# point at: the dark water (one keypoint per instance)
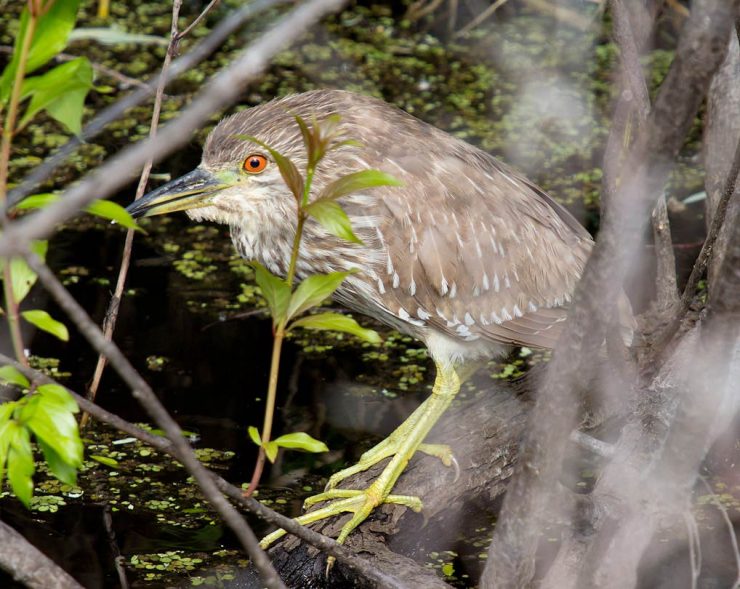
(214, 376)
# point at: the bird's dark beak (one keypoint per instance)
(193, 190)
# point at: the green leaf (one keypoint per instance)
(275, 290)
(50, 37)
(104, 460)
(36, 201)
(301, 441)
(56, 394)
(288, 171)
(271, 450)
(43, 320)
(336, 322)
(357, 182)
(21, 465)
(310, 140)
(7, 432)
(12, 375)
(254, 435)
(22, 278)
(111, 36)
(108, 209)
(61, 92)
(332, 218)
(62, 470)
(55, 426)
(313, 290)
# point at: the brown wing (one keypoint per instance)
(487, 255)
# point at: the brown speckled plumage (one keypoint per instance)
(466, 256)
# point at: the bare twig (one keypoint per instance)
(163, 444)
(701, 49)
(28, 565)
(197, 20)
(487, 13)
(119, 561)
(143, 393)
(111, 315)
(203, 49)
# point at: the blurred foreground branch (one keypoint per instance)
(231, 23)
(532, 497)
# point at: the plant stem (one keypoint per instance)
(11, 311)
(277, 346)
(11, 305)
(15, 99)
(277, 342)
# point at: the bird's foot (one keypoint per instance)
(361, 503)
(387, 448)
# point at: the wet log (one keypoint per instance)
(483, 432)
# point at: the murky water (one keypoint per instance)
(532, 91)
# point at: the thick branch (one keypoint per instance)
(28, 565)
(700, 51)
(721, 135)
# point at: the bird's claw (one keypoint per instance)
(361, 503)
(386, 449)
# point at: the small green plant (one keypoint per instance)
(288, 305)
(44, 413)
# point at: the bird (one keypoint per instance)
(466, 255)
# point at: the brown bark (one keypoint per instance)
(29, 565)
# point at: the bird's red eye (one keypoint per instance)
(255, 163)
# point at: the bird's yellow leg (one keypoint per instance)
(362, 502)
(388, 447)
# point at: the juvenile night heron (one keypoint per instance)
(467, 256)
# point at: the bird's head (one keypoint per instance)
(237, 179)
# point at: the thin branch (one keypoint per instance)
(28, 565)
(635, 95)
(323, 543)
(111, 315)
(197, 20)
(143, 393)
(231, 23)
(692, 531)
(487, 13)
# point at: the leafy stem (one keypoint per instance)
(11, 304)
(279, 336)
(285, 302)
(13, 105)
